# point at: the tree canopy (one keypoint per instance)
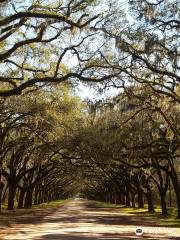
(50, 41)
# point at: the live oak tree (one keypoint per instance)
(148, 46)
(35, 131)
(50, 41)
(129, 150)
(148, 54)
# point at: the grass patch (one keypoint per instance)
(170, 220)
(104, 204)
(50, 204)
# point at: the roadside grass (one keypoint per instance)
(9, 216)
(51, 204)
(168, 221)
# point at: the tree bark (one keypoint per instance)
(163, 203)
(36, 195)
(176, 186)
(1, 190)
(128, 203)
(21, 198)
(11, 195)
(150, 202)
(170, 195)
(140, 198)
(133, 200)
(29, 198)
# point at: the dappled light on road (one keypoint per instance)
(77, 220)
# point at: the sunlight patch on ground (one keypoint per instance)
(75, 221)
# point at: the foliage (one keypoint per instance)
(47, 41)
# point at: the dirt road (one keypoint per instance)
(80, 220)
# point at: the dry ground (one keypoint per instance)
(82, 220)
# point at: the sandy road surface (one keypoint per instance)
(80, 220)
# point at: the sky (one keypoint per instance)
(85, 92)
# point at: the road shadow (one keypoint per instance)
(95, 214)
(71, 217)
(102, 236)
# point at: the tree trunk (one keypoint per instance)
(149, 198)
(150, 202)
(11, 195)
(40, 197)
(50, 197)
(176, 186)
(133, 200)
(170, 194)
(163, 203)
(1, 185)
(1, 190)
(128, 203)
(4, 194)
(123, 200)
(21, 198)
(119, 198)
(140, 198)
(36, 196)
(29, 198)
